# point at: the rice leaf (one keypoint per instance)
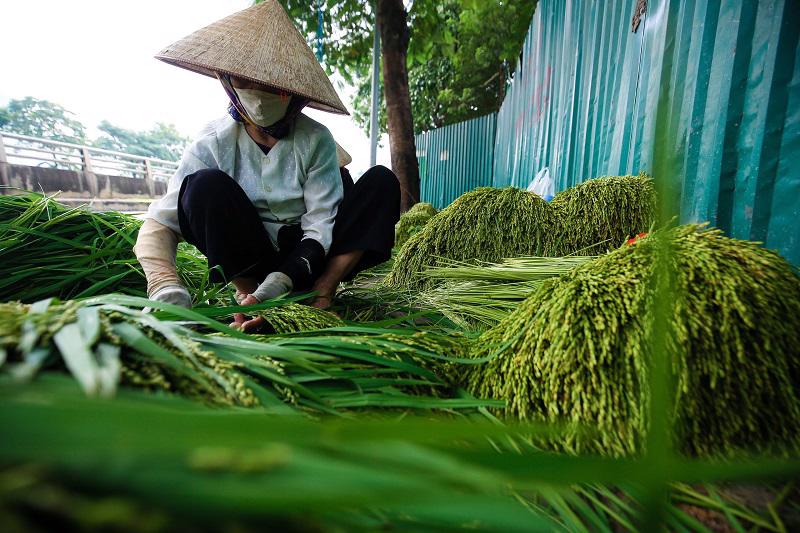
(89, 324)
(78, 357)
(32, 362)
(109, 368)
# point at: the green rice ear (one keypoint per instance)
(107, 341)
(490, 224)
(292, 317)
(412, 221)
(485, 224)
(576, 351)
(600, 214)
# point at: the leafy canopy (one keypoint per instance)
(5, 117)
(42, 118)
(460, 55)
(163, 141)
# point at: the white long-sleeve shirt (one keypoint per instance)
(297, 182)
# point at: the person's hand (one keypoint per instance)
(276, 284)
(173, 294)
(240, 321)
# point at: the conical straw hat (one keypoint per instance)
(342, 156)
(260, 44)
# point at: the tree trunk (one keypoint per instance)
(393, 26)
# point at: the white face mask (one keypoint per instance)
(263, 107)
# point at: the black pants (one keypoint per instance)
(218, 218)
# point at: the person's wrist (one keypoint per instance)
(276, 284)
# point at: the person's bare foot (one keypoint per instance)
(322, 301)
(245, 286)
(336, 270)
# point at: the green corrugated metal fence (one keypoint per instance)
(455, 159)
(584, 98)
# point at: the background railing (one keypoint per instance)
(33, 151)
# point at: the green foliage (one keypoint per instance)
(576, 352)
(155, 463)
(463, 72)
(42, 118)
(347, 33)
(48, 249)
(5, 117)
(460, 56)
(163, 141)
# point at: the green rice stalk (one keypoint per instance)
(50, 250)
(600, 214)
(476, 305)
(88, 340)
(509, 269)
(576, 351)
(103, 344)
(486, 224)
(412, 221)
(358, 300)
(479, 295)
(370, 300)
(89, 464)
(293, 317)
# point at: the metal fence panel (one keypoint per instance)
(455, 159)
(572, 102)
(583, 102)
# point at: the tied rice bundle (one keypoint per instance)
(412, 221)
(490, 224)
(50, 250)
(600, 214)
(486, 224)
(576, 351)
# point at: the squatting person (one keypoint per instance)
(260, 192)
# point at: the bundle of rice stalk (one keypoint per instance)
(105, 341)
(600, 214)
(486, 224)
(476, 305)
(479, 295)
(412, 221)
(577, 350)
(293, 317)
(50, 250)
(523, 268)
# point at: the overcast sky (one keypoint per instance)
(95, 58)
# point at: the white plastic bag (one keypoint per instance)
(543, 185)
